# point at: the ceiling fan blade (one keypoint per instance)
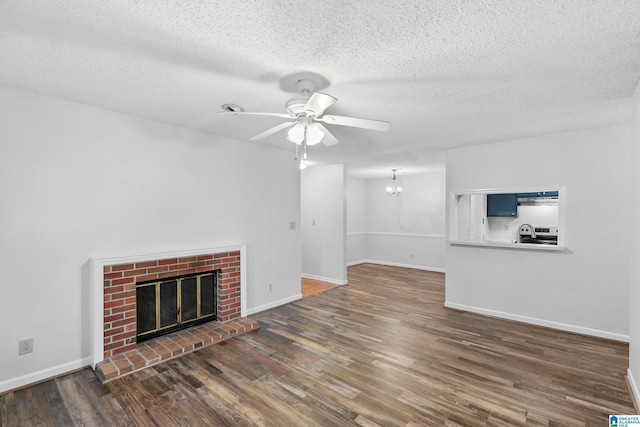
(318, 103)
(328, 139)
(356, 122)
(248, 113)
(273, 130)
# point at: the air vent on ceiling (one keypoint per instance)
(232, 108)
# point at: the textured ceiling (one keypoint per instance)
(445, 74)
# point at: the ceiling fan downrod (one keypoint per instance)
(305, 86)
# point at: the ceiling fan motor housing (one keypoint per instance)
(295, 105)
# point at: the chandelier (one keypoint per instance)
(394, 190)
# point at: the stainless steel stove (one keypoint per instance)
(538, 235)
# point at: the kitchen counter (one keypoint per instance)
(508, 245)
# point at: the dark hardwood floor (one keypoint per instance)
(380, 351)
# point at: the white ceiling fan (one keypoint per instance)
(306, 117)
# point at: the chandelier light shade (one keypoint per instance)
(394, 190)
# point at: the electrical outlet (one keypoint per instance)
(410, 256)
(292, 225)
(270, 287)
(25, 346)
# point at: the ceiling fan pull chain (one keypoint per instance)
(304, 143)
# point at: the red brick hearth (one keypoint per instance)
(122, 355)
(167, 347)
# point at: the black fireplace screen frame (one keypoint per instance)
(174, 303)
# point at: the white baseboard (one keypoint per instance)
(274, 304)
(325, 279)
(635, 392)
(395, 264)
(539, 322)
(44, 374)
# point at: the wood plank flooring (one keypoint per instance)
(379, 351)
(311, 286)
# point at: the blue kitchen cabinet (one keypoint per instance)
(502, 205)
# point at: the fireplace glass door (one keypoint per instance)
(176, 303)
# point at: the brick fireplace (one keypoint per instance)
(115, 351)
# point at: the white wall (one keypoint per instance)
(356, 220)
(406, 230)
(634, 297)
(323, 220)
(77, 182)
(585, 288)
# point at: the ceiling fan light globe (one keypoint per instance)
(296, 133)
(314, 134)
(295, 142)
